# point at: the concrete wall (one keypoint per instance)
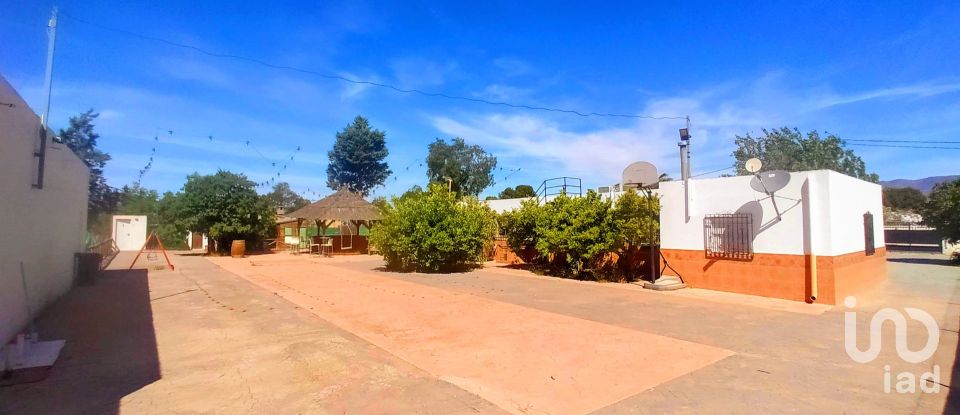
(821, 213)
(849, 199)
(505, 205)
(42, 228)
(821, 217)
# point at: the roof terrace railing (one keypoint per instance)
(557, 186)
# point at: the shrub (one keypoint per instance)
(573, 235)
(576, 232)
(520, 229)
(637, 221)
(942, 210)
(433, 231)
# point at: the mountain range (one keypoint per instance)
(924, 185)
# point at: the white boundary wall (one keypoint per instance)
(42, 228)
(505, 205)
(822, 213)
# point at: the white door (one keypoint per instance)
(123, 234)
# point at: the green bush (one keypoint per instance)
(637, 220)
(942, 210)
(574, 235)
(575, 232)
(433, 231)
(520, 229)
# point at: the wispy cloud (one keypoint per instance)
(923, 90)
(196, 71)
(599, 155)
(512, 66)
(501, 92)
(417, 72)
(718, 113)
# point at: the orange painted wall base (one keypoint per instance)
(781, 276)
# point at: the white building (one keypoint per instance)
(827, 241)
(44, 223)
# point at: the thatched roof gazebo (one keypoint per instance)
(342, 206)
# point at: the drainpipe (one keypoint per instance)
(810, 219)
(813, 278)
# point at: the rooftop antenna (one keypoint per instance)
(41, 154)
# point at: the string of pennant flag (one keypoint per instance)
(278, 167)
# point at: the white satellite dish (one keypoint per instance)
(640, 174)
(770, 181)
(753, 165)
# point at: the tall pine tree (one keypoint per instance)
(357, 158)
(82, 139)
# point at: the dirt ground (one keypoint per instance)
(289, 334)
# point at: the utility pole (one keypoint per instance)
(685, 167)
(41, 154)
(48, 76)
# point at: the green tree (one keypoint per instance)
(523, 190)
(357, 158)
(81, 137)
(286, 199)
(468, 168)
(434, 231)
(786, 149)
(942, 209)
(636, 218)
(520, 229)
(161, 213)
(225, 206)
(904, 198)
(576, 230)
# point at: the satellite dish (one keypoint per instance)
(753, 165)
(770, 181)
(640, 174)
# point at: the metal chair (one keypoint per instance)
(293, 243)
(326, 245)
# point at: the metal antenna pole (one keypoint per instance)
(48, 76)
(688, 148)
(41, 154)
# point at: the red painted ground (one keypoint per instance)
(522, 359)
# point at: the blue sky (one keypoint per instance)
(861, 71)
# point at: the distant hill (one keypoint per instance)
(924, 185)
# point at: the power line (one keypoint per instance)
(711, 172)
(364, 82)
(903, 141)
(902, 146)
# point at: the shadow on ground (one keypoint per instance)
(111, 349)
(925, 261)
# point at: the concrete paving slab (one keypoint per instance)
(200, 340)
(786, 361)
(525, 360)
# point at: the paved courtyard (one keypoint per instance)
(289, 334)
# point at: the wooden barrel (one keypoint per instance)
(238, 248)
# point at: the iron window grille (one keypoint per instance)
(728, 236)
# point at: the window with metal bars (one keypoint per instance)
(728, 236)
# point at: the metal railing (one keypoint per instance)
(728, 236)
(107, 249)
(557, 186)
